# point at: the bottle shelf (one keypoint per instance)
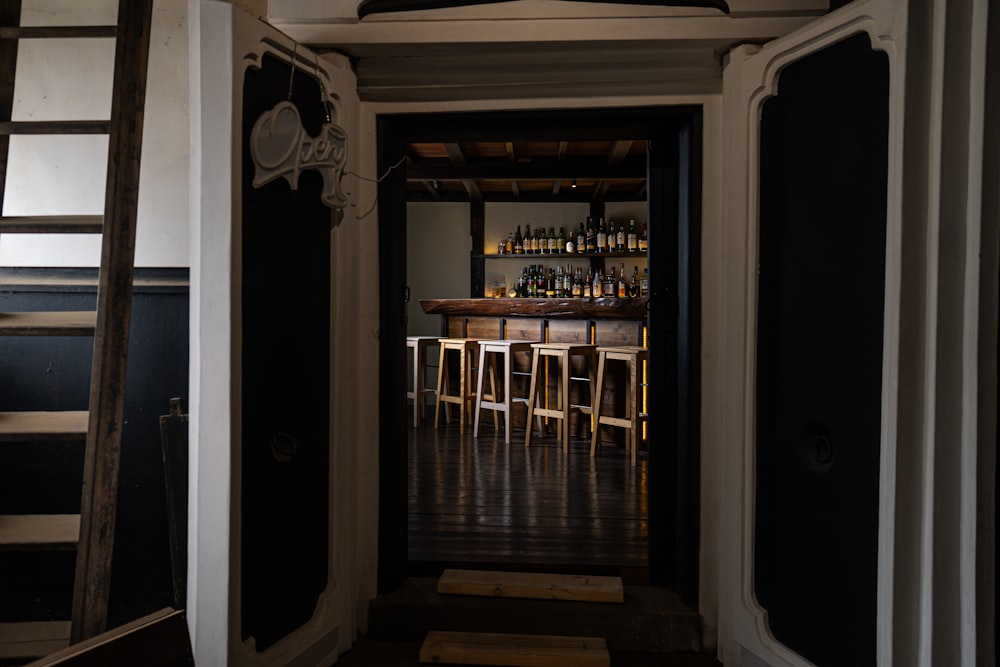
(568, 255)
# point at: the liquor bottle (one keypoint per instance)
(527, 240)
(608, 289)
(561, 244)
(634, 290)
(643, 241)
(620, 237)
(602, 236)
(644, 282)
(568, 281)
(550, 284)
(581, 239)
(632, 242)
(577, 289)
(591, 243)
(518, 242)
(501, 247)
(622, 288)
(509, 245)
(597, 287)
(551, 241)
(587, 288)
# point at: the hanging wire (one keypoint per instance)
(376, 181)
(291, 75)
(322, 91)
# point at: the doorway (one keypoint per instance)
(673, 196)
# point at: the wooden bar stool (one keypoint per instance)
(563, 353)
(467, 348)
(488, 351)
(634, 357)
(420, 392)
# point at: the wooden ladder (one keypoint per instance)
(91, 532)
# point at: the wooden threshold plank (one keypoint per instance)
(513, 650)
(542, 586)
(33, 639)
(55, 127)
(47, 323)
(51, 224)
(70, 425)
(19, 532)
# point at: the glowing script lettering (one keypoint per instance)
(281, 148)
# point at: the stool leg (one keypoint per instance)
(564, 400)
(532, 399)
(508, 382)
(442, 376)
(419, 359)
(479, 390)
(595, 437)
(494, 396)
(464, 371)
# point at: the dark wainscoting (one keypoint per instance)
(53, 373)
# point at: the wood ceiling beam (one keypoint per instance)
(534, 171)
(619, 151)
(542, 196)
(458, 161)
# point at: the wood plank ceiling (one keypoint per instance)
(527, 171)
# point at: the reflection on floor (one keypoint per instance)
(481, 501)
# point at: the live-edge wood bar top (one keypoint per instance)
(598, 309)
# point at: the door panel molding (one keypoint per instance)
(751, 75)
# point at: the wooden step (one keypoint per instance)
(32, 640)
(20, 532)
(494, 648)
(55, 127)
(51, 224)
(60, 323)
(70, 425)
(542, 586)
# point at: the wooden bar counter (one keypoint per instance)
(603, 321)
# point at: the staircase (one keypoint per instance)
(474, 617)
(98, 429)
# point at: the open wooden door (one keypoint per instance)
(282, 558)
(814, 122)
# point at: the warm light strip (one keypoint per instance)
(645, 380)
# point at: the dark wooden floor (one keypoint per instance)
(481, 501)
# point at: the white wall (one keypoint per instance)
(71, 79)
(438, 244)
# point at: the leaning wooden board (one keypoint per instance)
(541, 586)
(513, 650)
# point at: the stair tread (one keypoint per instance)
(58, 31)
(42, 426)
(495, 648)
(55, 127)
(51, 224)
(33, 639)
(51, 531)
(49, 323)
(534, 585)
